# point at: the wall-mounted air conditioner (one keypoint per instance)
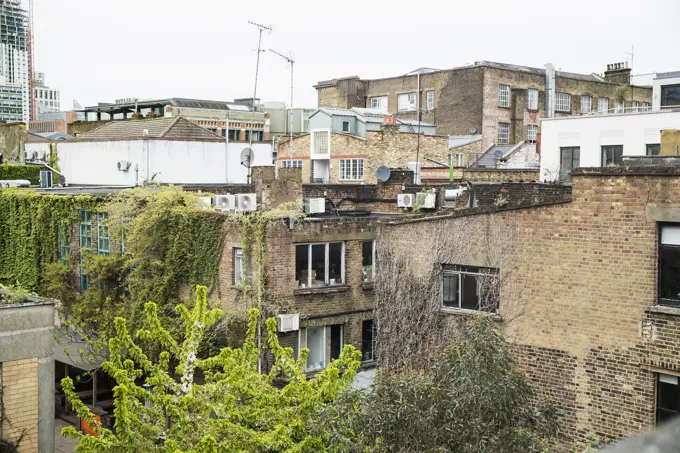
(405, 200)
(288, 323)
(246, 202)
(225, 202)
(426, 200)
(315, 206)
(123, 165)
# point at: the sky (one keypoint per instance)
(102, 50)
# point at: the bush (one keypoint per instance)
(30, 172)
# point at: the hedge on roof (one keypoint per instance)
(30, 172)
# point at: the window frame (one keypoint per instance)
(370, 343)
(295, 163)
(589, 103)
(103, 234)
(654, 146)
(347, 173)
(380, 105)
(504, 95)
(241, 267)
(349, 127)
(64, 245)
(532, 99)
(533, 127)
(409, 95)
(506, 140)
(644, 106)
(429, 100)
(670, 413)
(327, 283)
(313, 142)
(661, 301)
(634, 106)
(664, 90)
(459, 272)
(323, 348)
(372, 265)
(599, 105)
(605, 149)
(562, 108)
(566, 177)
(459, 160)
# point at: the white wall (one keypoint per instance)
(174, 161)
(632, 130)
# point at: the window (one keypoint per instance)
(471, 288)
(429, 95)
(406, 102)
(562, 102)
(368, 261)
(570, 158)
(653, 149)
(122, 242)
(345, 126)
(351, 169)
(612, 154)
(367, 340)
(318, 265)
(586, 104)
(602, 105)
(503, 95)
(667, 398)
(337, 341)
(239, 275)
(618, 107)
(532, 130)
(103, 236)
(460, 160)
(670, 96)
(85, 244)
(379, 103)
(644, 107)
(291, 164)
(316, 343)
(321, 142)
(669, 265)
(64, 244)
(233, 134)
(503, 133)
(256, 136)
(532, 99)
(634, 106)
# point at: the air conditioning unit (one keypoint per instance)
(225, 202)
(287, 323)
(405, 200)
(45, 179)
(315, 206)
(426, 200)
(246, 202)
(124, 165)
(205, 202)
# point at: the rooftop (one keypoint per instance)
(175, 102)
(173, 128)
(667, 75)
(366, 115)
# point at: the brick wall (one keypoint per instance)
(20, 403)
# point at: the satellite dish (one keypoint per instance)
(247, 157)
(62, 180)
(473, 130)
(498, 154)
(382, 173)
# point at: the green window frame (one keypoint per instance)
(64, 245)
(103, 234)
(85, 244)
(122, 242)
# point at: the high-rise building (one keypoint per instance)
(14, 82)
(47, 98)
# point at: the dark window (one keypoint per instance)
(612, 154)
(470, 288)
(670, 96)
(234, 134)
(570, 158)
(367, 269)
(653, 149)
(367, 340)
(257, 136)
(302, 265)
(669, 265)
(336, 341)
(319, 265)
(667, 398)
(345, 126)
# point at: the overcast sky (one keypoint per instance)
(100, 50)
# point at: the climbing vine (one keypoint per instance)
(29, 172)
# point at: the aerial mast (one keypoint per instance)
(290, 112)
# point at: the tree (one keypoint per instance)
(474, 400)
(164, 407)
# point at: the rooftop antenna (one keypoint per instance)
(290, 61)
(630, 82)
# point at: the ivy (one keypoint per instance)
(29, 172)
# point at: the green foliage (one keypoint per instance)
(622, 93)
(475, 400)
(12, 294)
(236, 409)
(53, 158)
(30, 172)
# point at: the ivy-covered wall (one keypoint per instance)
(30, 172)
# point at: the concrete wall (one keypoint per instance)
(27, 369)
(192, 162)
(633, 131)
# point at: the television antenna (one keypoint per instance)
(260, 28)
(290, 61)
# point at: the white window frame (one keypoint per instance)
(326, 263)
(459, 274)
(562, 102)
(532, 99)
(429, 96)
(347, 174)
(240, 270)
(531, 127)
(619, 107)
(411, 100)
(504, 95)
(295, 163)
(313, 140)
(349, 127)
(586, 101)
(460, 159)
(323, 347)
(634, 106)
(379, 103)
(644, 107)
(504, 140)
(602, 105)
(372, 262)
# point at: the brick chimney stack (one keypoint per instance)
(618, 73)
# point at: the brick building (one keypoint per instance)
(503, 102)
(588, 290)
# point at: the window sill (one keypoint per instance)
(504, 107)
(368, 364)
(466, 312)
(665, 309)
(321, 290)
(369, 286)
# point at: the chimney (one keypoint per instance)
(618, 73)
(390, 120)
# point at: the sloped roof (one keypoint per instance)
(456, 141)
(366, 115)
(177, 127)
(488, 159)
